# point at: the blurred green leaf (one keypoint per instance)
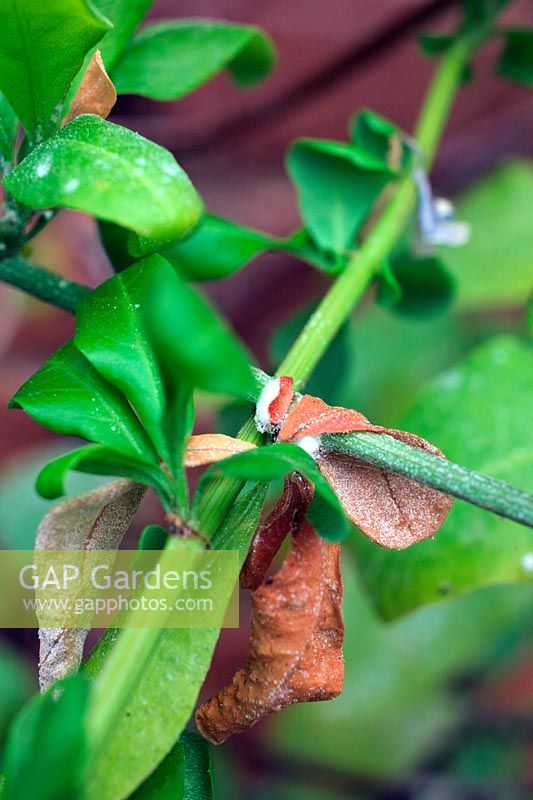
(337, 185)
(416, 285)
(400, 701)
(168, 60)
(435, 44)
(478, 415)
(68, 396)
(375, 135)
(125, 16)
(495, 268)
(479, 13)
(516, 61)
(275, 461)
(42, 47)
(111, 333)
(15, 684)
(389, 291)
(21, 508)
(46, 746)
(111, 172)
(192, 342)
(163, 701)
(8, 132)
(97, 460)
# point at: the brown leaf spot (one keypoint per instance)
(96, 93)
(295, 646)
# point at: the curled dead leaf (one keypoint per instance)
(285, 517)
(96, 93)
(96, 520)
(393, 511)
(295, 646)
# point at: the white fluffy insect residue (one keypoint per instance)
(270, 391)
(311, 445)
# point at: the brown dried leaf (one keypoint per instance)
(295, 646)
(286, 516)
(96, 93)
(207, 448)
(391, 510)
(96, 520)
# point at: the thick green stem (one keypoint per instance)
(42, 284)
(489, 493)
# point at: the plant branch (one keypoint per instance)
(350, 286)
(480, 490)
(41, 283)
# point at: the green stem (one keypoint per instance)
(349, 287)
(41, 283)
(480, 490)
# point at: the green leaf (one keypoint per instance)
(389, 289)
(275, 461)
(495, 268)
(215, 249)
(111, 172)
(68, 396)
(125, 16)
(16, 684)
(8, 132)
(337, 186)
(168, 60)
(163, 701)
(97, 460)
(417, 286)
(42, 47)
(477, 414)
(373, 134)
(192, 342)
(516, 61)
(111, 333)
(185, 774)
(46, 745)
(114, 240)
(435, 44)
(218, 247)
(153, 537)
